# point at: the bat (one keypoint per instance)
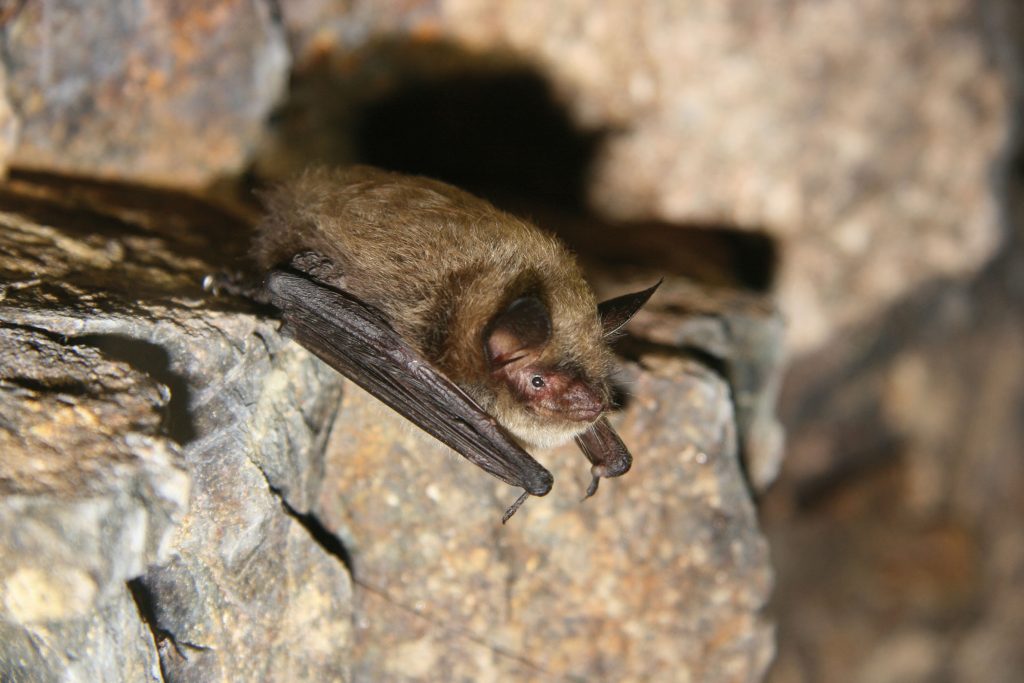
(473, 324)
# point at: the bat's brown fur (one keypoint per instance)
(441, 264)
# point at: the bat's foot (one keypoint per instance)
(515, 506)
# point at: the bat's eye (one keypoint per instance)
(537, 381)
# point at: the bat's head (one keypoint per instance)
(549, 390)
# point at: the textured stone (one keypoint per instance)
(108, 643)
(743, 335)
(111, 348)
(175, 93)
(896, 528)
(10, 126)
(662, 573)
(91, 491)
(90, 494)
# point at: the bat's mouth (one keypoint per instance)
(577, 413)
(587, 414)
(579, 402)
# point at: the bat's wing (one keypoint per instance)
(608, 456)
(356, 340)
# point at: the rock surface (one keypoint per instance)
(233, 556)
(862, 141)
(10, 126)
(896, 526)
(742, 334)
(90, 494)
(150, 91)
(126, 390)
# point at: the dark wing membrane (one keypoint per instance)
(609, 457)
(356, 340)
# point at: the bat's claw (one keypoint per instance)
(236, 283)
(515, 506)
(592, 489)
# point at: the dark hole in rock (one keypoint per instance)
(146, 605)
(491, 133)
(714, 255)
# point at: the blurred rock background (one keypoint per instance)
(855, 163)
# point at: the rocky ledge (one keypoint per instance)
(188, 495)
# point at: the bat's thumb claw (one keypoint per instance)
(515, 506)
(220, 283)
(592, 489)
(236, 283)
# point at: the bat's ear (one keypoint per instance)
(616, 312)
(521, 330)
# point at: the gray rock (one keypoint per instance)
(175, 94)
(9, 125)
(90, 494)
(740, 333)
(108, 643)
(896, 528)
(109, 351)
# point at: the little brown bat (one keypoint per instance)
(474, 324)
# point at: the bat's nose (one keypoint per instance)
(582, 402)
